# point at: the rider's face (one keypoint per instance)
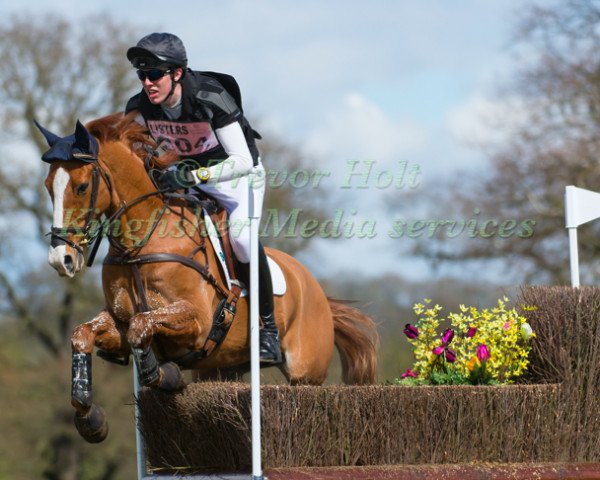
(158, 90)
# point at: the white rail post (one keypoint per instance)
(139, 439)
(573, 256)
(257, 473)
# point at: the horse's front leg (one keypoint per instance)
(176, 321)
(104, 332)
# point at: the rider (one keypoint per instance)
(193, 114)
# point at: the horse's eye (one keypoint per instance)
(81, 189)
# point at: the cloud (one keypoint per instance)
(482, 121)
(366, 154)
(359, 129)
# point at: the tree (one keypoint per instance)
(53, 71)
(513, 211)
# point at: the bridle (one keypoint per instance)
(58, 235)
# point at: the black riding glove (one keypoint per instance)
(176, 177)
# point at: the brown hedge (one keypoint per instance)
(554, 418)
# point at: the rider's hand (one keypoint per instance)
(167, 180)
(176, 177)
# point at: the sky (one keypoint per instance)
(395, 83)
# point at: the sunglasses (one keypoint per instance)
(153, 75)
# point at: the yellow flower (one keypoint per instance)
(471, 364)
(503, 331)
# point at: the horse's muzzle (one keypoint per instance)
(65, 260)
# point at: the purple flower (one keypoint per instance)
(447, 336)
(411, 331)
(483, 353)
(450, 356)
(438, 350)
(471, 332)
(408, 373)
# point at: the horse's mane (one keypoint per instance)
(118, 127)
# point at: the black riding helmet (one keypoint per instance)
(158, 50)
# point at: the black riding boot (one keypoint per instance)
(270, 349)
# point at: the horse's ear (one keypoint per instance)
(82, 137)
(50, 137)
(84, 140)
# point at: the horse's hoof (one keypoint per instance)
(171, 377)
(92, 426)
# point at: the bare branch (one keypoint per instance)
(557, 144)
(24, 314)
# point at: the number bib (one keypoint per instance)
(184, 138)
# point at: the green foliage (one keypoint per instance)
(479, 347)
(38, 439)
(448, 378)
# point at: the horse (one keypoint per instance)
(163, 285)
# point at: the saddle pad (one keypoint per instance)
(279, 285)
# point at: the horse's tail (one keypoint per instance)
(356, 339)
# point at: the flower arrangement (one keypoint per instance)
(478, 347)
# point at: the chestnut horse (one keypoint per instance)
(160, 308)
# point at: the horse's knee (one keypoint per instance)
(140, 331)
(82, 339)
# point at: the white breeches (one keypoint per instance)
(234, 196)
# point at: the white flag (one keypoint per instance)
(581, 206)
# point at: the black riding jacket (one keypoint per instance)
(206, 106)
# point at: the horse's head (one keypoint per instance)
(80, 192)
